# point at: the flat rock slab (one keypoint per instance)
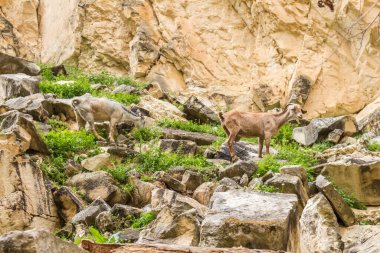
(360, 180)
(198, 138)
(340, 207)
(13, 65)
(243, 150)
(18, 85)
(163, 248)
(251, 219)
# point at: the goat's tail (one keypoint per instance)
(221, 117)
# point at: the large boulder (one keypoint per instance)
(21, 125)
(26, 201)
(320, 128)
(68, 204)
(358, 179)
(341, 208)
(18, 85)
(98, 184)
(251, 219)
(192, 180)
(13, 65)
(36, 241)
(296, 170)
(198, 138)
(361, 239)
(368, 117)
(170, 181)
(159, 109)
(244, 150)
(198, 111)
(178, 221)
(319, 227)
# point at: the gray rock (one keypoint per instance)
(68, 204)
(192, 180)
(244, 180)
(121, 151)
(335, 136)
(128, 235)
(141, 192)
(123, 211)
(98, 184)
(227, 184)
(368, 117)
(105, 222)
(289, 184)
(13, 65)
(97, 162)
(198, 138)
(320, 128)
(361, 239)
(196, 110)
(89, 214)
(35, 241)
(319, 227)
(251, 219)
(21, 125)
(340, 207)
(179, 146)
(244, 150)
(239, 169)
(125, 89)
(177, 172)
(18, 85)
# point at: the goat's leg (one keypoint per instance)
(81, 123)
(267, 144)
(230, 142)
(92, 126)
(113, 131)
(261, 142)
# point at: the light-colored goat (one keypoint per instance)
(92, 109)
(263, 125)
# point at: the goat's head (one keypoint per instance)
(296, 112)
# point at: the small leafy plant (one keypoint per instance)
(145, 134)
(266, 188)
(144, 220)
(350, 200)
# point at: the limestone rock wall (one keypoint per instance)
(240, 53)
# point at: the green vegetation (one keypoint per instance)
(350, 200)
(266, 188)
(79, 83)
(95, 236)
(156, 160)
(266, 164)
(144, 220)
(65, 144)
(374, 147)
(145, 134)
(192, 127)
(366, 222)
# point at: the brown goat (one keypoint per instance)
(264, 125)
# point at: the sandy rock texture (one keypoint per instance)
(243, 53)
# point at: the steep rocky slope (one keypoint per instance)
(249, 54)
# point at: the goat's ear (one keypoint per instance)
(303, 111)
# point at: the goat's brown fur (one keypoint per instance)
(263, 125)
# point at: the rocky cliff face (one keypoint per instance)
(243, 53)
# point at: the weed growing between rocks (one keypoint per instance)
(192, 127)
(144, 220)
(266, 188)
(350, 200)
(374, 147)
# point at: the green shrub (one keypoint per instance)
(108, 79)
(96, 237)
(70, 90)
(144, 220)
(145, 134)
(156, 160)
(123, 98)
(54, 168)
(57, 125)
(350, 200)
(67, 143)
(374, 146)
(192, 126)
(266, 164)
(119, 173)
(266, 188)
(284, 135)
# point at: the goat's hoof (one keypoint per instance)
(234, 159)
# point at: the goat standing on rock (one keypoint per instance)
(264, 125)
(91, 109)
